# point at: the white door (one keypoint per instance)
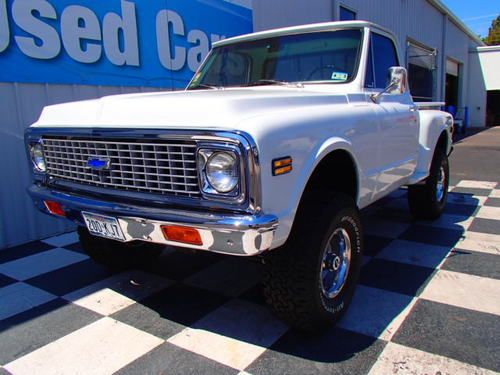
(398, 120)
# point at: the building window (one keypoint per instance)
(384, 55)
(422, 72)
(347, 14)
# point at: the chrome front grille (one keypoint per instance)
(161, 167)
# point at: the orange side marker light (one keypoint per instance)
(282, 166)
(182, 234)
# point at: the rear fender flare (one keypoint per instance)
(432, 125)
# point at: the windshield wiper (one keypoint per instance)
(204, 86)
(264, 82)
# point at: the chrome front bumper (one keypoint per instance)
(235, 234)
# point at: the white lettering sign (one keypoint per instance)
(127, 25)
(80, 30)
(4, 26)
(86, 38)
(164, 20)
(23, 14)
(199, 51)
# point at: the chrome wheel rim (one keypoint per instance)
(335, 263)
(441, 183)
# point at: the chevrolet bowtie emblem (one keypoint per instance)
(99, 164)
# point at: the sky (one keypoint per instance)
(477, 14)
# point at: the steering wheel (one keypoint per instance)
(319, 69)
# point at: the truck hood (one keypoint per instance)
(214, 109)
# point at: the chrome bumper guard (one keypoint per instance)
(234, 234)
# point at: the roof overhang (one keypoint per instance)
(438, 4)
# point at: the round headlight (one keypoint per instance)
(222, 171)
(37, 157)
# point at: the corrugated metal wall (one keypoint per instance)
(270, 14)
(20, 105)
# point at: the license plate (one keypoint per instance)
(103, 226)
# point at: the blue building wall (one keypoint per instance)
(115, 42)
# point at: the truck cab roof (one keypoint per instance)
(315, 27)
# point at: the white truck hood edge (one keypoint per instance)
(214, 109)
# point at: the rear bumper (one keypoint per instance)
(235, 234)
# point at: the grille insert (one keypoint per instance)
(161, 167)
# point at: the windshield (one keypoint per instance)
(326, 57)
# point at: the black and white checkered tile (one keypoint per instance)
(428, 302)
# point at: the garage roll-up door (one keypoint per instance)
(421, 72)
(452, 68)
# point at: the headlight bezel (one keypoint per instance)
(33, 147)
(204, 154)
(214, 176)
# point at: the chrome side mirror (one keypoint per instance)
(398, 83)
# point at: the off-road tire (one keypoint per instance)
(117, 255)
(292, 285)
(423, 198)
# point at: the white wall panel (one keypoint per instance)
(490, 63)
(477, 90)
(20, 105)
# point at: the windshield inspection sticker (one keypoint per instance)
(339, 76)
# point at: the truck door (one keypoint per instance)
(398, 119)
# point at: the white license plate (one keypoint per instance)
(103, 226)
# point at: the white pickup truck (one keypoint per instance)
(276, 144)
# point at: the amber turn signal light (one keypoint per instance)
(282, 166)
(55, 208)
(182, 234)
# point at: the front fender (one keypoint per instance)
(307, 135)
(327, 147)
(296, 185)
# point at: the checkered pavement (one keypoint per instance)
(428, 302)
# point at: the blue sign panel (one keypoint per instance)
(113, 42)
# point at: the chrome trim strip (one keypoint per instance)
(235, 234)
